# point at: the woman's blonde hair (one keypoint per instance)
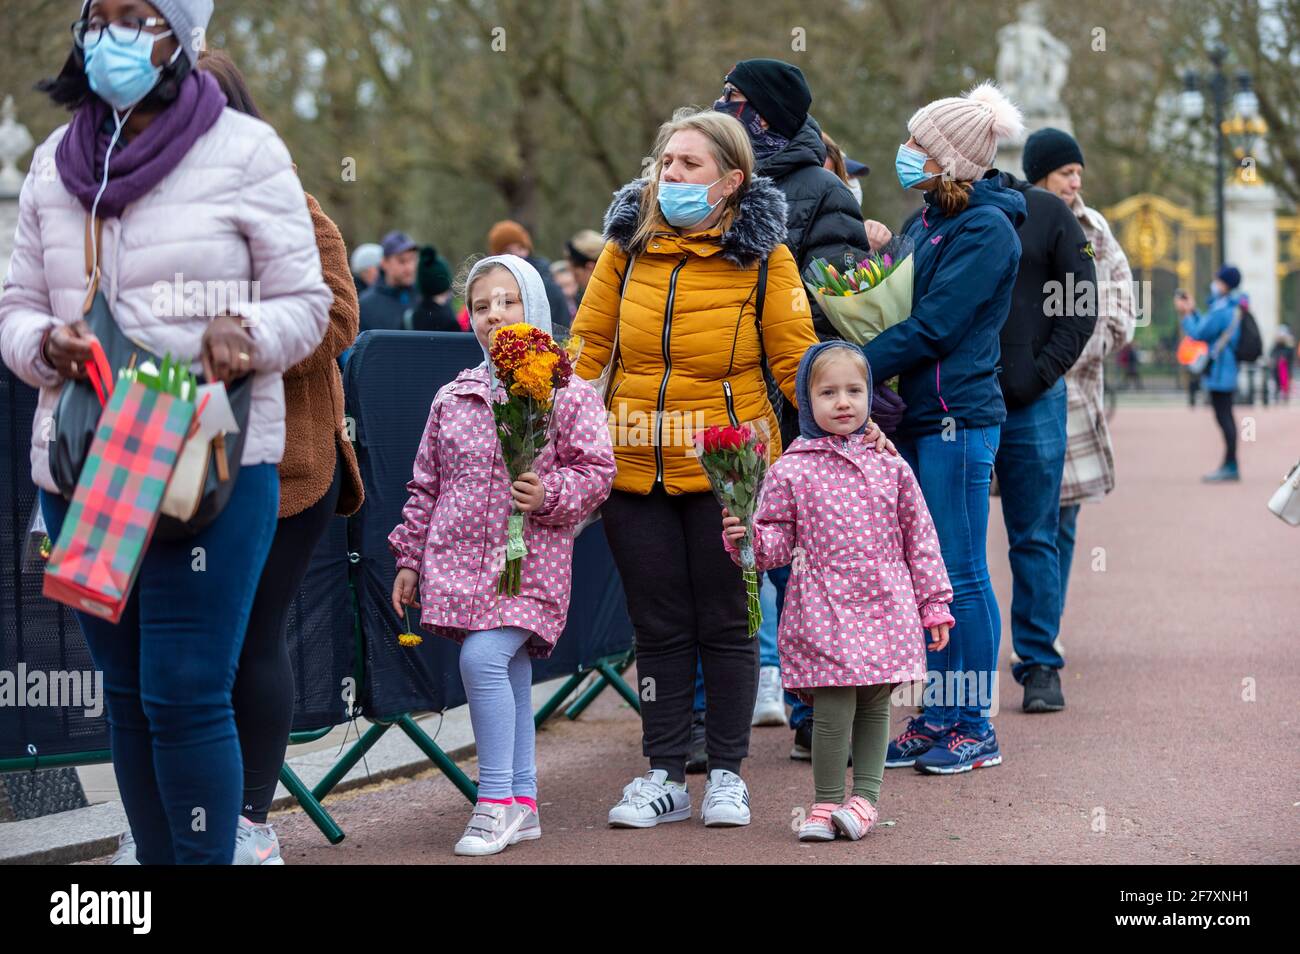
(728, 145)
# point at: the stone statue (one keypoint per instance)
(15, 140)
(1032, 64)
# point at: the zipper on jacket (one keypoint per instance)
(731, 407)
(668, 369)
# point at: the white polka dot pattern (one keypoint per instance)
(453, 531)
(864, 556)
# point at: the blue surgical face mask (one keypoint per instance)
(910, 166)
(686, 204)
(122, 74)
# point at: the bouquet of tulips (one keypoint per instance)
(531, 366)
(863, 298)
(735, 460)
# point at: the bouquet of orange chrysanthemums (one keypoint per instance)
(531, 367)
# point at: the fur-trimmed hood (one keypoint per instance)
(759, 226)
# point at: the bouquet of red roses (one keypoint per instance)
(531, 367)
(735, 460)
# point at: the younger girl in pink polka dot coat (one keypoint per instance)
(866, 580)
(450, 546)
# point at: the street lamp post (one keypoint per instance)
(1193, 105)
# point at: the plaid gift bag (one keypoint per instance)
(117, 501)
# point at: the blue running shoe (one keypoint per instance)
(960, 751)
(915, 740)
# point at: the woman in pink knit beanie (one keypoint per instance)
(946, 353)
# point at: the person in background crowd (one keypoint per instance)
(1282, 358)
(433, 310)
(1054, 161)
(1220, 328)
(567, 282)
(582, 252)
(838, 163)
(153, 152)
(384, 306)
(510, 238)
(1040, 342)
(365, 265)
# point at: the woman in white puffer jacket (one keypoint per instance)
(201, 206)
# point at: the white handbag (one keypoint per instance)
(602, 382)
(1285, 501)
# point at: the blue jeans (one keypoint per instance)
(800, 711)
(1065, 546)
(954, 474)
(766, 637)
(1030, 460)
(169, 666)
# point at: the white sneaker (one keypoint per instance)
(769, 707)
(490, 828)
(530, 829)
(726, 800)
(649, 800)
(256, 844)
(125, 850)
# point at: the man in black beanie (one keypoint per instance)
(1049, 149)
(1052, 315)
(771, 98)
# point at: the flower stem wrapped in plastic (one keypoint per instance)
(531, 367)
(735, 460)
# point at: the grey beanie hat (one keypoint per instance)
(189, 21)
(184, 17)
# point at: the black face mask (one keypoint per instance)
(744, 111)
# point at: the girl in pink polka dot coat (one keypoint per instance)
(450, 546)
(866, 580)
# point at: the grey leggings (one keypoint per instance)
(498, 678)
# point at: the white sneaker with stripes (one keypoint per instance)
(726, 800)
(649, 800)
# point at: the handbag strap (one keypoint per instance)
(614, 355)
(1224, 338)
(94, 245)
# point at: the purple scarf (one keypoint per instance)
(147, 159)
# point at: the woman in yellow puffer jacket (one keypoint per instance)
(679, 279)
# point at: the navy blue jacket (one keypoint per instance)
(947, 351)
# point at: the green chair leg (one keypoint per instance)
(610, 675)
(314, 809)
(550, 705)
(350, 758)
(438, 757)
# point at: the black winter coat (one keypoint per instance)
(823, 219)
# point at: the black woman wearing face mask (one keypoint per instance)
(188, 191)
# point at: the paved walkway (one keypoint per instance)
(1196, 608)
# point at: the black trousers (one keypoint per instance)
(687, 602)
(263, 692)
(1221, 401)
